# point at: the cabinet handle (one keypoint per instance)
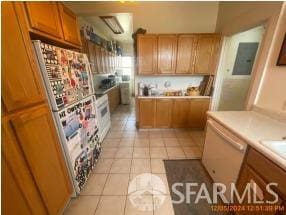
(232, 142)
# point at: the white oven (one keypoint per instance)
(103, 114)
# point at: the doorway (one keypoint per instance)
(235, 72)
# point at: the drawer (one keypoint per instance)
(262, 165)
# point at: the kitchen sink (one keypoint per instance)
(276, 146)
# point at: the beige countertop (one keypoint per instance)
(104, 91)
(253, 127)
(172, 97)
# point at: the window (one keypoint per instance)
(126, 65)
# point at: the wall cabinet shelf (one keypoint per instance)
(52, 21)
(177, 54)
(101, 61)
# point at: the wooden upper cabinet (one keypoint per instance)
(206, 53)
(91, 56)
(167, 52)
(44, 17)
(197, 112)
(186, 53)
(21, 83)
(146, 113)
(70, 26)
(98, 60)
(163, 115)
(180, 113)
(147, 54)
(38, 139)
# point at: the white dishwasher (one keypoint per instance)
(223, 154)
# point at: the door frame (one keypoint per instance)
(259, 66)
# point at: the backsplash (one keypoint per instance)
(177, 83)
(97, 78)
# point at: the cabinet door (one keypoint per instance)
(167, 52)
(20, 192)
(163, 116)
(206, 54)
(249, 175)
(98, 60)
(180, 113)
(198, 112)
(146, 113)
(44, 17)
(21, 84)
(70, 26)
(147, 54)
(186, 54)
(38, 139)
(91, 56)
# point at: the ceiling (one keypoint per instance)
(155, 17)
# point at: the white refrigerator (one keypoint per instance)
(67, 79)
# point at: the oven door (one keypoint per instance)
(104, 114)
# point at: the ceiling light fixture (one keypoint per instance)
(113, 24)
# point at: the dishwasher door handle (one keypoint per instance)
(234, 143)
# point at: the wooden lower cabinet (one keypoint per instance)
(163, 114)
(259, 170)
(146, 113)
(39, 147)
(180, 113)
(113, 98)
(19, 194)
(171, 113)
(197, 114)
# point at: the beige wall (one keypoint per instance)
(157, 17)
(273, 89)
(234, 17)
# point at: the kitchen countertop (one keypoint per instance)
(172, 97)
(104, 91)
(253, 127)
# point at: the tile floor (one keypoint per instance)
(126, 153)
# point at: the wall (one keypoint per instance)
(235, 17)
(272, 93)
(157, 17)
(234, 88)
(83, 22)
(177, 82)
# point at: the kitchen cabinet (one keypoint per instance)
(69, 25)
(92, 56)
(197, 114)
(186, 53)
(44, 156)
(167, 52)
(98, 60)
(44, 17)
(171, 112)
(20, 193)
(180, 113)
(206, 54)
(146, 113)
(259, 170)
(177, 54)
(50, 21)
(113, 98)
(21, 83)
(147, 54)
(35, 176)
(163, 113)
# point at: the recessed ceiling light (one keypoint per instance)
(113, 23)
